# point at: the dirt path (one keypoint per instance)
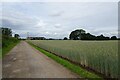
(23, 61)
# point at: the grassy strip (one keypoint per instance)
(0, 53)
(5, 50)
(74, 68)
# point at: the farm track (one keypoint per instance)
(23, 61)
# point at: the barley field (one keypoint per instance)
(101, 56)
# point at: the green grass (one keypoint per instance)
(8, 44)
(8, 48)
(74, 68)
(0, 53)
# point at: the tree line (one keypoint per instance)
(78, 34)
(7, 32)
(81, 34)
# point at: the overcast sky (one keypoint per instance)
(58, 19)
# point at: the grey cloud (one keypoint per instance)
(15, 26)
(56, 14)
(8, 23)
(58, 25)
(60, 20)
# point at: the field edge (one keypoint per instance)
(74, 68)
(7, 49)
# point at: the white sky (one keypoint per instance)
(59, 0)
(58, 19)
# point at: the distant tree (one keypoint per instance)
(107, 38)
(6, 32)
(113, 38)
(101, 37)
(16, 36)
(65, 38)
(88, 36)
(77, 34)
(51, 39)
(59, 39)
(72, 35)
(81, 34)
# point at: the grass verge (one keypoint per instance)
(6, 49)
(0, 53)
(74, 68)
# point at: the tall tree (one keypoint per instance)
(6, 32)
(77, 34)
(113, 38)
(16, 36)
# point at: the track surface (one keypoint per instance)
(23, 61)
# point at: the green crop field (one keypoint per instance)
(101, 56)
